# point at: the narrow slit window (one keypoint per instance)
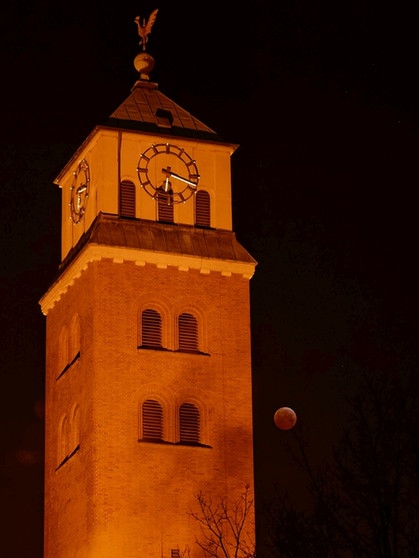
(189, 424)
(165, 206)
(202, 209)
(127, 199)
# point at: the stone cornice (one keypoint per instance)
(96, 252)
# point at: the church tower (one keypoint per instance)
(148, 357)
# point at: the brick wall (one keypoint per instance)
(116, 495)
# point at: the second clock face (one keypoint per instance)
(167, 171)
(79, 191)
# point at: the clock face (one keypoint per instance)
(79, 191)
(168, 172)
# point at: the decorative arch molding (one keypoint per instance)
(74, 433)
(68, 435)
(198, 401)
(62, 439)
(171, 402)
(62, 349)
(68, 345)
(161, 306)
(165, 397)
(185, 307)
(74, 338)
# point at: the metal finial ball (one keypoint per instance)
(144, 64)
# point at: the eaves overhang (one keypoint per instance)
(150, 243)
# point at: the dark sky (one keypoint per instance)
(322, 98)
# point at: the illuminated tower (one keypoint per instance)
(148, 363)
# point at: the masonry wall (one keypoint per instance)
(118, 495)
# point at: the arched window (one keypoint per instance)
(151, 335)
(74, 440)
(188, 332)
(127, 199)
(63, 350)
(63, 440)
(202, 209)
(189, 424)
(74, 340)
(164, 206)
(68, 436)
(152, 420)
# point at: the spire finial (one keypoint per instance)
(144, 62)
(144, 29)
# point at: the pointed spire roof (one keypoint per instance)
(146, 109)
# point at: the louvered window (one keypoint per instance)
(189, 424)
(202, 209)
(175, 553)
(165, 206)
(151, 329)
(127, 199)
(188, 332)
(152, 420)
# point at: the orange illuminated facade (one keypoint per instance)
(148, 357)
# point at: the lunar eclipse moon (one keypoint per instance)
(285, 418)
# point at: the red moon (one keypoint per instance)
(285, 418)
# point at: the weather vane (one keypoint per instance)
(144, 29)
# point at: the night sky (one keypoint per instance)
(322, 98)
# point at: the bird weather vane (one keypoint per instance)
(144, 29)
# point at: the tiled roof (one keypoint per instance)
(153, 243)
(147, 109)
(144, 235)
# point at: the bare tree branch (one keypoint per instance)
(226, 529)
(365, 503)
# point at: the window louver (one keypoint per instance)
(165, 207)
(127, 199)
(188, 332)
(152, 420)
(151, 329)
(189, 424)
(202, 209)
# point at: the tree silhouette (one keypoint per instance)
(226, 526)
(365, 502)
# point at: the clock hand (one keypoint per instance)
(79, 192)
(168, 172)
(167, 185)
